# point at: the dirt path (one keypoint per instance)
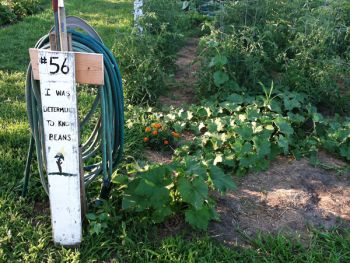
(182, 93)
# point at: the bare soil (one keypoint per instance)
(292, 197)
(158, 156)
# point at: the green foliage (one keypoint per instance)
(98, 223)
(123, 235)
(335, 135)
(182, 187)
(302, 46)
(6, 14)
(165, 21)
(14, 10)
(147, 58)
(141, 65)
(233, 136)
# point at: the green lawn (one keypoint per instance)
(25, 228)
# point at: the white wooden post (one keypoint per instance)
(138, 4)
(58, 72)
(60, 117)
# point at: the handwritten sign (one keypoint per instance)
(60, 117)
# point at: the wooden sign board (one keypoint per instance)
(60, 116)
(89, 67)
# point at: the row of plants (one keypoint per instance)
(231, 137)
(248, 120)
(12, 11)
(149, 56)
(302, 45)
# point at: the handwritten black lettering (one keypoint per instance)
(58, 109)
(47, 92)
(63, 124)
(62, 93)
(50, 123)
(60, 137)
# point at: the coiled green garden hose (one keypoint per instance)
(107, 136)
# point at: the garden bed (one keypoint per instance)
(292, 197)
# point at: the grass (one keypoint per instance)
(25, 228)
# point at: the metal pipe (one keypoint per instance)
(57, 28)
(62, 26)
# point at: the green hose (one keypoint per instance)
(107, 137)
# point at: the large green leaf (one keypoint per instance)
(159, 176)
(193, 167)
(283, 143)
(194, 192)
(198, 218)
(291, 103)
(221, 181)
(245, 131)
(218, 60)
(220, 78)
(262, 145)
(149, 189)
(235, 98)
(154, 196)
(283, 126)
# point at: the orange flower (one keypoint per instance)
(146, 139)
(155, 132)
(156, 125)
(176, 135)
(166, 142)
(148, 129)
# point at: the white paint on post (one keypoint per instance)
(60, 3)
(60, 117)
(138, 4)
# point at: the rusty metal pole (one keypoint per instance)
(63, 35)
(57, 29)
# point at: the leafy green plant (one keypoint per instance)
(160, 137)
(6, 14)
(25, 232)
(98, 223)
(182, 187)
(147, 58)
(143, 74)
(303, 47)
(14, 10)
(237, 135)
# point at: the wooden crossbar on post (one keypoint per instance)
(89, 67)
